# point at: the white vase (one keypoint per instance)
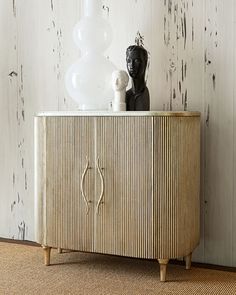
(88, 80)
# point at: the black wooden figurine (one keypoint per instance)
(137, 97)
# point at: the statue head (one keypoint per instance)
(136, 59)
(120, 80)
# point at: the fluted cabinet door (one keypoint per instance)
(123, 213)
(67, 192)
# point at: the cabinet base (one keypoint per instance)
(162, 262)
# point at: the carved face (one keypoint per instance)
(119, 80)
(136, 64)
(117, 83)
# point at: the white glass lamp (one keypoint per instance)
(88, 80)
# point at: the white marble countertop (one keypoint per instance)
(118, 114)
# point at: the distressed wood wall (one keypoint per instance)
(192, 52)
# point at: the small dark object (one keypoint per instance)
(137, 98)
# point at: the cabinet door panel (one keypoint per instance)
(123, 223)
(69, 146)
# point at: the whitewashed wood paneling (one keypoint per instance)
(32, 64)
(219, 153)
(192, 53)
(8, 122)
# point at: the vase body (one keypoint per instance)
(88, 80)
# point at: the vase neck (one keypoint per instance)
(92, 7)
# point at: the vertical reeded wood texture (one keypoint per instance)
(176, 181)
(69, 143)
(124, 225)
(40, 179)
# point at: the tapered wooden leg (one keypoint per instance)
(163, 265)
(188, 259)
(59, 250)
(47, 252)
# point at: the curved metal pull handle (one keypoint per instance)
(82, 185)
(102, 187)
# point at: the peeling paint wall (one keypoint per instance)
(191, 44)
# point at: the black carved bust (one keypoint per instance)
(137, 97)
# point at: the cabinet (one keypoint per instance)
(118, 183)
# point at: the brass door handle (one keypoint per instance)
(102, 186)
(82, 185)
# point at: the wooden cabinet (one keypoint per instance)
(118, 183)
